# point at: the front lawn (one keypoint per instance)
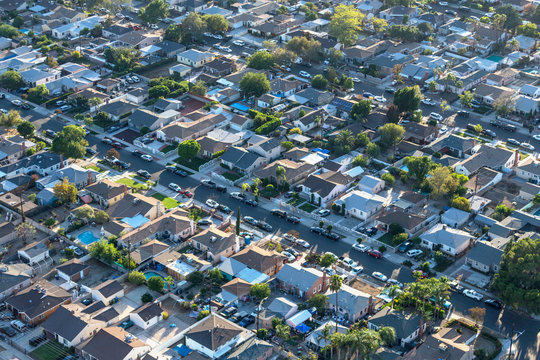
(231, 176)
(193, 164)
(307, 207)
(168, 202)
(50, 351)
(168, 148)
(132, 183)
(387, 239)
(295, 202)
(94, 167)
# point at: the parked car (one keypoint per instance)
(147, 158)
(238, 316)
(237, 195)
(357, 270)
(290, 237)
(316, 229)
(302, 243)
(436, 116)
(454, 285)
(228, 312)
(251, 202)
(204, 222)
(494, 303)
(187, 193)
(144, 174)
(248, 320)
(250, 220)
(87, 301)
(323, 212)
(221, 188)
(304, 74)
(293, 219)
(428, 102)
(264, 226)
(90, 151)
(175, 187)
(278, 212)
(349, 262)
(289, 256)
(379, 276)
(208, 183)
(10, 332)
(212, 203)
(405, 246)
(360, 247)
(331, 235)
(463, 113)
(52, 134)
(527, 146)
(414, 252)
(375, 253)
(472, 294)
(224, 208)
(394, 282)
(513, 142)
(489, 133)
(126, 324)
(105, 140)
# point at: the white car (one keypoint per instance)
(380, 99)
(443, 3)
(16, 102)
(527, 146)
(289, 256)
(175, 187)
(212, 203)
(536, 137)
(360, 247)
(350, 262)
(154, 27)
(331, 254)
(414, 252)
(239, 42)
(136, 79)
(356, 80)
(436, 116)
(305, 74)
(428, 102)
(302, 243)
(236, 195)
(290, 237)
(4, 111)
(395, 282)
(146, 158)
(323, 212)
(329, 271)
(357, 270)
(472, 294)
(226, 49)
(379, 276)
(514, 141)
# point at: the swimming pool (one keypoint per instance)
(87, 238)
(150, 274)
(495, 58)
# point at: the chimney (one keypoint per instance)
(24, 147)
(324, 282)
(473, 142)
(370, 305)
(444, 226)
(421, 331)
(516, 157)
(89, 178)
(61, 161)
(125, 190)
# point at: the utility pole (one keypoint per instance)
(129, 257)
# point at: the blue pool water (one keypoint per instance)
(150, 274)
(495, 58)
(87, 237)
(537, 212)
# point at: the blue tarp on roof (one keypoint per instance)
(135, 221)
(323, 151)
(183, 350)
(240, 107)
(303, 328)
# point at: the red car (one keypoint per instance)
(187, 193)
(375, 253)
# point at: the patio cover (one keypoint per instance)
(299, 318)
(252, 276)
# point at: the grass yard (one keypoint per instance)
(295, 202)
(132, 184)
(50, 351)
(168, 202)
(387, 239)
(94, 167)
(168, 148)
(231, 176)
(193, 164)
(307, 207)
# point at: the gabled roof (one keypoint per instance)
(72, 267)
(214, 331)
(237, 287)
(111, 344)
(351, 300)
(38, 299)
(148, 311)
(65, 324)
(107, 189)
(259, 259)
(299, 277)
(446, 236)
(253, 348)
(486, 254)
(215, 239)
(404, 323)
(109, 288)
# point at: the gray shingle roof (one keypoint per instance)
(299, 277)
(485, 254)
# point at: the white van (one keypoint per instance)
(19, 325)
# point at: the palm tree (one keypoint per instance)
(245, 186)
(325, 335)
(393, 291)
(94, 102)
(337, 340)
(387, 335)
(335, 284)
(169, 281)
(283, 331)
(512, 44)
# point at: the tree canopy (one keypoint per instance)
(123, 58)
(513, 18)
(66, 191)
(188, 149)
(419, 166)
(154, 11)
(216, 23)
(391, 134)
(70, 142)
(254, 84)
(11, 79)
(319, 82)
(408, 98)
(360, 110)
(346, 24)
(11, 119)
(261, 60)
(517, 282)
(26, 129)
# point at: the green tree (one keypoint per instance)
(216, 23)
(466, 99)
(478, 128)
(8, 31)
(335, 285)
(147, 297)
(392, 114)
(319, 82)
(104, 250)
(156, 283)
(173, 33)
(262, 334)
(326, 260)
(85, 212)
(346, 24)
(11, 79)
(391, 134)
(325, 334)
(379, 25)
(215, 276)
(360, 110)
(123, 58)
(70, 142)
(440, 181)
(408, 98)
(373, 150)
(196, 278)
(461, 203)
(360, 160)
(287, 145)
(513, 18)
(283, 331)
(36, 94)
(199, 88)
(136, 277)
(158, 91)
(517, 283)
(388, 178)
(319, 301)
(26, 129)
(188, 149)
(25, 231)
(154, 12)
(419, 167)
(432, 85)
(536, 199)
(261, 60)
(65, 191)
(260, 291)
(253, 84)
(193, 27)
(101, 217)
(281, 174)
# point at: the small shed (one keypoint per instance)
(455, 218)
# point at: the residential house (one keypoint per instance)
(135, 206)
(451, 144)
(311, 120)
(34, 253)
(42, 163)
(267, 100)
(113, 343)
(106, 192)
(242, 159)
(220, 66)
(148, 251)
(137, 96)
(314, 97)
(411, 222)
(195, 58)
(352, 304)
(525, 105)
(396, 14)
(283, 87)
(371, 184)
(269, 148)
(360, 204)
(530, 91)
(502, 77)
(34, 76)
(108, 291)
(13, 148)
(72, 30)
(180, 266)
(295, 171)
(526, 44)
(217, 244)
(139, 40)
(529, 170)
(455, 218)
(145, 118)
(446, 342)
(214, 336)
(492, 94)
(35, 304)
(115, 31)
(408, 326)
(235, 290)
(484, 257)
(147, 315)
(180, 69)
(119, 109)
(450, 241)
(163, 105)
(420, 133)
(75, 174)
(315, 339)
(179, 131)
(264, 261)
(72, 270)
(252, 349)
(301, 281)
(15, 277)
(109, 85)
(69, 327)
(489, 156)
(323, 187)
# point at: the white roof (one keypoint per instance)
(299, 318)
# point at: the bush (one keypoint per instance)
(388, 178)
(203, 314)
(382, 248)
(147, 297)
(156, 283)
(49, 222)
(407, 263)
(69, 253)
(165, 315)
(137, 278)
(262, 334)
(399, 238)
